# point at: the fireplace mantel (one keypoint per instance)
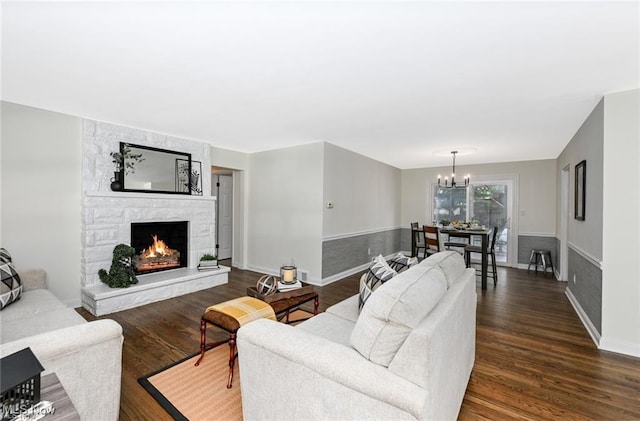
(136, 195)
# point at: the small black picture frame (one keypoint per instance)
(581, 190)
(189, 177)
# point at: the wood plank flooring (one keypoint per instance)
(534, 359)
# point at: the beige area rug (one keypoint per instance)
(199, 393)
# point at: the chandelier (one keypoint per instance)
(453, 184)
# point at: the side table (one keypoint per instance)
(51, 390)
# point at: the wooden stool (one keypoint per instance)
(230, 316)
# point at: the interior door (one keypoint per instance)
(225, 216)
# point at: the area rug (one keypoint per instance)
(199, 393)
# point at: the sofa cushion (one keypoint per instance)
(400, 262)
(451, 263)
(347, 309)
(329, 326)
(32, 303)
(396, 308)
(10, 285)
(379, 272)
(39, 323)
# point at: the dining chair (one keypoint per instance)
(431, 240)
(464, 241)
(490, 252)
(418, 239)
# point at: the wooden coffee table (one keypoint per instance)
(283, 303)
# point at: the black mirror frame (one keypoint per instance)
(187, 157)
(580, 190)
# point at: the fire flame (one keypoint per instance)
(158, 248)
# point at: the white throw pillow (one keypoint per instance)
(397, 307)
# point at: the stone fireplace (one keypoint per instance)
(110, 218)
(159, 245)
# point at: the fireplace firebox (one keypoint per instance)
(159, 245)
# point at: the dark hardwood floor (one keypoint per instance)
(534, 359)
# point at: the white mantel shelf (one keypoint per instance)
(139, 195)
(101, 299)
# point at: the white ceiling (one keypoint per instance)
(395, 81)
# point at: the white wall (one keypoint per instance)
(621, 226)
(536, 192)
(229, 159)
(41, 165)
(285, 209)
(365, 193)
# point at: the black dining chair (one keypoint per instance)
(490, 252)
(418, 239)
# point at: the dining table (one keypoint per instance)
(483, 233)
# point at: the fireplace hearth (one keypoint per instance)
(159, 246)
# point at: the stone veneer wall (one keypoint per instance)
(106, 215)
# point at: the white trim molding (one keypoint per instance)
(333, 278)
(619, 347)
(358, 233)
(592, 259)
(537, 234)
(591, 329)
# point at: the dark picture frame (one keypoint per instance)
(580, 191)
(189, 177)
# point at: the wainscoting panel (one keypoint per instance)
(341, 254)
(526, 243)
(588, 286)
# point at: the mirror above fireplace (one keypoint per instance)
(155, 170)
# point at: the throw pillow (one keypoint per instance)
(10, 285)
(400, 262)
(5, 256)
(379, 272)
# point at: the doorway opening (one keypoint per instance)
(222, 186)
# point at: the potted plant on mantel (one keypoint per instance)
(124, 162)
(208, 261)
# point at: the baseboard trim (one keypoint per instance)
(591, 329)
(619, 347)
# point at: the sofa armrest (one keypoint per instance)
(33, 279)
(330, 380)
(87, 358)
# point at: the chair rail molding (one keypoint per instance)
(592, 259)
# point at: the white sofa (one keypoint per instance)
(86, 356)
(407, 355)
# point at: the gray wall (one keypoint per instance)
(526, 243)
(587, 144)
(588, 291)
(343, 254)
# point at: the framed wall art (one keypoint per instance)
(580, 190)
